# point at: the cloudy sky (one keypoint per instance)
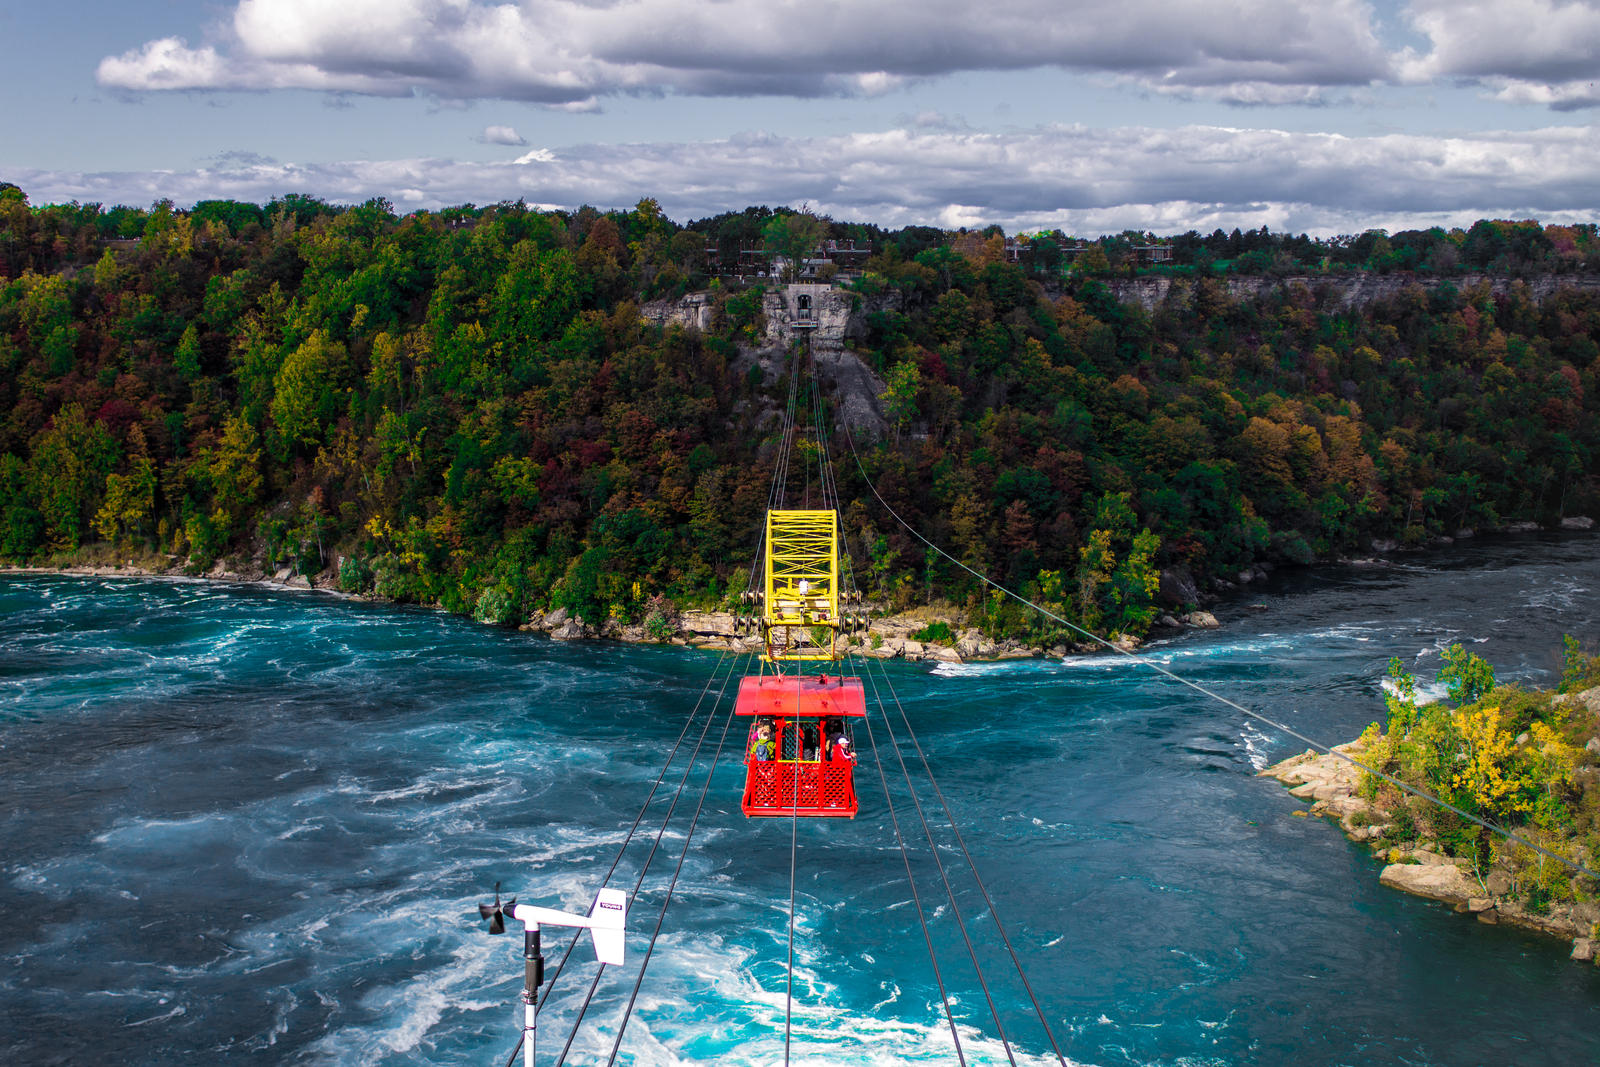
(1093, 115)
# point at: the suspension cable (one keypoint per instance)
(916, 898)
(933, 849)
(654, 846)
(780, 485)
(949, 815)
(654, 786)
(794, 847)
(827, 479)
(780, 468)
(662, 914)
(688, 722)
(994, 912)
(1328, 750)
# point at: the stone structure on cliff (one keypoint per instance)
(829, 317)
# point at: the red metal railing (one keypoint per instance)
(788, 787)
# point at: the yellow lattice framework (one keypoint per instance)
(802, 585)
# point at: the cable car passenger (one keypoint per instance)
(755, 728)
(832, 729)
(839, 749)
(764, 750)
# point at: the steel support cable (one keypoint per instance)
(994, 912)
(916, 898)
(662, 914)
(626, 841)
(944, 876)
(780, 474)
(688, 722)
(833, 481)
(786, 450)
(805, 479)
(654, 846)
(831, 498)
(1005, 938)
(780, 467)
(785, 439)
(794, 848)
(819, 425)
(1328, 750)
(829, 478)
(830, 486)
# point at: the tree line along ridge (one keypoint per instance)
(466, 408)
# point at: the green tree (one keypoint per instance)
(186, 358)
(1578, 671)
(308, 390)
(1093, 260)
(904, 383)
(233, 468)
(130, 502)
(1466, 677)
(793, 235)
(21, 525)
(67, 474)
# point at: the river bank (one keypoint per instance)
(1418, 865)
(886, 637)
(389, 766)
(892, 636)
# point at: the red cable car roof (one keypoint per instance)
(801, 696)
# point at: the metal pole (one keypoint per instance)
(533, 978)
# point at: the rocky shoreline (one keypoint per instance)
(888, 637)
(1333, 786)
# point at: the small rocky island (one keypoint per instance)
(1528, 761)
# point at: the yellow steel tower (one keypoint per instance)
(801, 595)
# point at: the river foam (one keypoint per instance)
(251, 824)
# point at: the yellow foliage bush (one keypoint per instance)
(1485, 773)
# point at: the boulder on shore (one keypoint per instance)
(1177, 587)
(1437, 881)
(1417, 867)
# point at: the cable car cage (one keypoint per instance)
(806, 776)
(808, 772)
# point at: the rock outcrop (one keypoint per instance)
(890, 637)
(1340, 291)
(1333, 785)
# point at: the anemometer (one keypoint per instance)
(605, 921)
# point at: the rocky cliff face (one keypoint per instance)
(1342, 291)
(853, 387)
(693, 311)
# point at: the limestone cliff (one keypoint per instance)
(1341, 291)
(831, 318)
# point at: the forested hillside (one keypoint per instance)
(465, 407)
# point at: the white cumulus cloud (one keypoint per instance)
(1526, 51)
(501, 135)
(571, 52)
(1081, 179)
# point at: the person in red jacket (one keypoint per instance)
(839, 748)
